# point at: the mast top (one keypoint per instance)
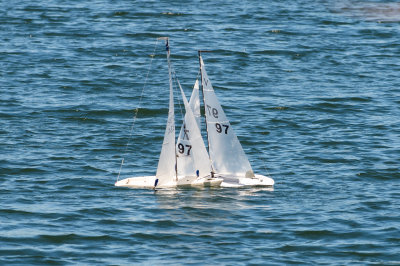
(166, 43)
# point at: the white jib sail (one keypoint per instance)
(194, 103)
(226, 152)
(166, 170)
(191, 151)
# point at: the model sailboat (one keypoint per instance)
(185, 163)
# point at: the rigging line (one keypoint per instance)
(265, 167)
(137, 110)
(198, 75)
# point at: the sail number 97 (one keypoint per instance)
(221, 128)
(181, 148)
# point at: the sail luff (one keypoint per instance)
(205, 117)
(204, 103)
(166, 170)
(172, 104)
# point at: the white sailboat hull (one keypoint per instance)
(231, 180)
(186, 181)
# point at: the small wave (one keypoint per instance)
(384, 174)
(356, 99)
(23, 170)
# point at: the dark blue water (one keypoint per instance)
(312, 89)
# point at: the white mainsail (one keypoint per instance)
(226, 152)
(191, 151)
(166, 170)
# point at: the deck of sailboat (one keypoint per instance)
(223, 180)
(232, 180)
(148, 182)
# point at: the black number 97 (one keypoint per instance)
(219, 128)
(181, 148)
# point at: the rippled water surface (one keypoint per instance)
(311, 87)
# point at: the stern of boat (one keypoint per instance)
(230, 180)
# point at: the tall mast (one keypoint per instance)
(171, 94)
(171, 88)
(204, 102)
(205, 111)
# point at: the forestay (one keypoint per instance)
(226, 152)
